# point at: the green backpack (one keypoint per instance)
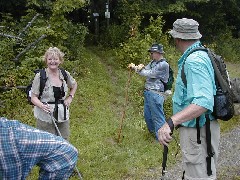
(168, 85)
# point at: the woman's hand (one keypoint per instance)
(68, 101)
(46, 108)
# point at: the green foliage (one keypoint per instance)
(64, 6)
(59, 31)
(76, 37)
(129, 13)
(155, 30)
(177, 7)
(6, 53)
(134, 50)
(14, 106)
(22, 52)
(228, 47)
(113, 36)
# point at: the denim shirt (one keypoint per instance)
(200, 84)
(154, 72)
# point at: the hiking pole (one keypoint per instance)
(164, 162)
(59, 133)
(165, 153)
(125, 104)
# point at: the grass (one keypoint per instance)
(96, 133)
(96, 115)
(97, 112)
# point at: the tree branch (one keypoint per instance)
(9, 88)
(10, 36)
(28, 25)
(28, 47)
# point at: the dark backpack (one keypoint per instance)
(43, 79)
(235, 83)
(168, 85)
(224, 99)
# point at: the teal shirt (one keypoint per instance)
(200, 82)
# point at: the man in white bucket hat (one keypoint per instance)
(193, 103)
(185, 29)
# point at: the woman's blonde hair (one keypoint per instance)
(55, 52)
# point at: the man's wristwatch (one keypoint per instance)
(71, 96)
(171, 125)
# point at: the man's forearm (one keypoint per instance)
(190, 112)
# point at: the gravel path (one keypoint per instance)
(228, 162)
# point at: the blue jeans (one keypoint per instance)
(153, 111)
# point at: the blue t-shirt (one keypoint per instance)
(200, 84)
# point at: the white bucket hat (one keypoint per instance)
(185, 29)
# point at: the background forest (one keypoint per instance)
(99, 38)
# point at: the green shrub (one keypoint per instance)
(113, 36)
(228, 47)
(134, 50)
(155, 30)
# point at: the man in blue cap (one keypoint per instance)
(156, 73)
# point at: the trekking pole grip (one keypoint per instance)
(165, 150)
(171, 125)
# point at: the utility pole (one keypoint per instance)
(96, 24)
(107, 13)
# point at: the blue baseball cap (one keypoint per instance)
(156, 48)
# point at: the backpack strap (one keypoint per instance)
(208, 131)
(198, 130)
(162, 60)
(183, 75)
(43, 79)
(65, 76)
(209, 147)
